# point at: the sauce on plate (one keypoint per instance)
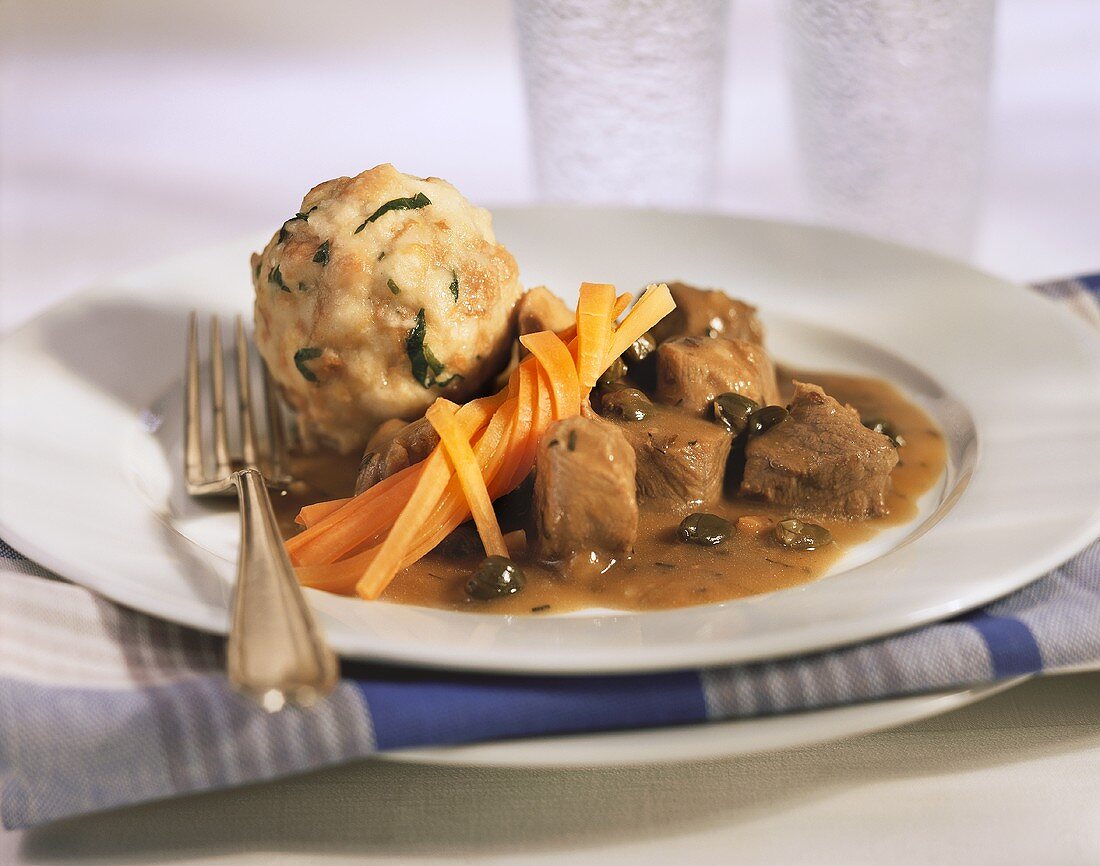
(663, 572)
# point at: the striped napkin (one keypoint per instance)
(101, 706)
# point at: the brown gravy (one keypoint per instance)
(665, 573)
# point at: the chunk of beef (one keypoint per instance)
(394, 446)
(541, 310)
(692, 371)
(585, 507)
(681, 458)
(709, 313)
(821, 461)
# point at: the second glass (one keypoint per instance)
(890, 107)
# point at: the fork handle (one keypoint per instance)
(276, 652)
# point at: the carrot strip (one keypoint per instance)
(543, 415)
(519, 434)
(594, 321)
(358, 504)
(371, 513)
(528, 439)
(621, 303)
(310, 514)
(491, 450)
(527, 377)
(339, 577)
(451, 510)
(654, 304)
(511, 457)
(556, 360)
(354, 524)
(441, 414)
(435, 476)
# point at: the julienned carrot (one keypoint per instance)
(367, 515)
(365, 501)
(555, 358)
(528, 442)
(434, 476)
(339, 577)
(594, 323)
(441, 415)
(621, 303)
(310, 514)
(428, 518)
(519, 434)
(544, 410)
(568, 335)
(490, 450)
(344, 575)
(357, 523)
(487, 449)
(654, 304)
(527, 379)
(420, 517)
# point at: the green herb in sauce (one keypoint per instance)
(321, 256)
(454, 285)
(393, 286)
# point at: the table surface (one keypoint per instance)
(130, 131)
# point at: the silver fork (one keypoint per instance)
(276, 653)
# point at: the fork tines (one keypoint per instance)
(271, 460)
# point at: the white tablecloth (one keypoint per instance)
(133, 130)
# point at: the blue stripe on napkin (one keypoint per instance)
(1090, 282)
(438, 709)
(1012, 647)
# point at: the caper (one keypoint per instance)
(880, 425)
(641, 348)
(497, 576)
(613, 373)
(766, 417)
(627, 404)
(704, 529)
(733, 411)
(800, 535)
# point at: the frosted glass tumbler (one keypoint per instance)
(624, 98)
(890, 102)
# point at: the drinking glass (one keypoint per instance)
(624, 98)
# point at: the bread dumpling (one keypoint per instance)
(382, 293)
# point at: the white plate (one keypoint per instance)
(704, 742)
(89, 439)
